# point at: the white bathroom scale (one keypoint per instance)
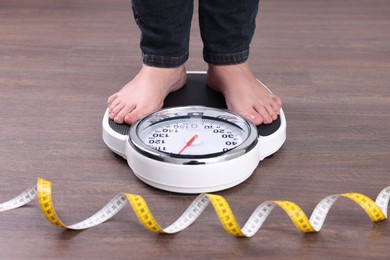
(194, 144)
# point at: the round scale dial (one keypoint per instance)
(195, 132)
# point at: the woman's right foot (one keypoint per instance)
(145, 93)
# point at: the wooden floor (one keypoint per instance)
(328, 60)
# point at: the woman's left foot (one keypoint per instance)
(244, 94)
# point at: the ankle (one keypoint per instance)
(180, 69)
(232, 67)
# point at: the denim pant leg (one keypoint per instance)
(227, 28)
(165, 31)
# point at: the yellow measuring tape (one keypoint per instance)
(377, 211)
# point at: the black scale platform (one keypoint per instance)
(196, 92)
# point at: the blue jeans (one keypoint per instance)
(226, 27)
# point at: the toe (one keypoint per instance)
(120, 116)
(256, 118)
(272, 112)
(115, 105)
(253, 116)
(131, 118)
(276, 104)
(263, 111)
(111, 99)
(113, 112)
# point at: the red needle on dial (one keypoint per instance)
(188, 144)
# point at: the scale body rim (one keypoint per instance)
(150, 171)
(194, 178)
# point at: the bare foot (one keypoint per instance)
(243, 93)
(145, 93)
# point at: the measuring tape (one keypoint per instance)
(377, 211)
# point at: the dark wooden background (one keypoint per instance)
(60, 60)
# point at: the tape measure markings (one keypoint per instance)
(382, 200)
(46, 203)
(143, 213)
(257, 218)
(373, 211)
(377, 211)
(225, 215)
(190, 215)
(320, 212)
(25, 197)
(297, 216)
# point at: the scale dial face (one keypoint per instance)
(193, 135)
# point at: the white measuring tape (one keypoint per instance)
(377, 211)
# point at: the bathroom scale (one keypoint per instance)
(194, 144)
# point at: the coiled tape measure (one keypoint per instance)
(376, 210)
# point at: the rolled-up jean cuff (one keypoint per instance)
(164, 61)
(226, 59)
